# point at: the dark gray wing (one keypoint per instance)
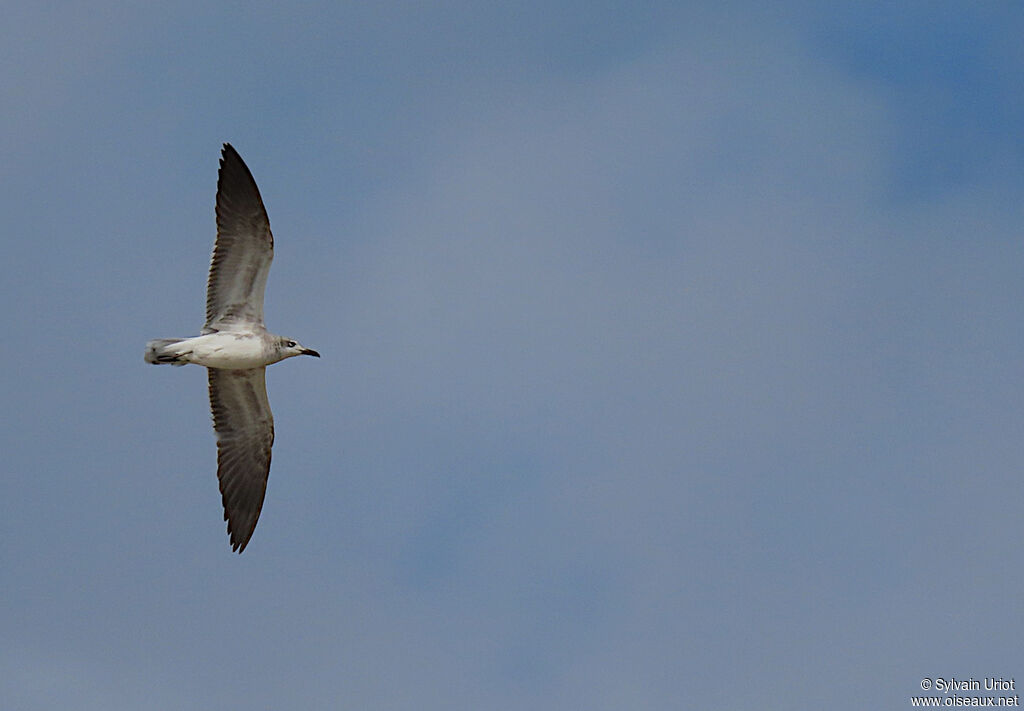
(243, 250)
(245, 434)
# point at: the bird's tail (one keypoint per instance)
(167, 350)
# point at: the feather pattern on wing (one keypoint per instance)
(243, 251)
(245, 435)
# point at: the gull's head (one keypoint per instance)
(289, 347)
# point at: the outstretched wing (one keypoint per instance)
(243, 250)
(245, 434)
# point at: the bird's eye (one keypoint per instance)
(290, 344)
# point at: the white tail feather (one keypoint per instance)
(167, 350)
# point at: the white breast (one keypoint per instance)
(229, 350)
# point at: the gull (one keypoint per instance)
(236, 348)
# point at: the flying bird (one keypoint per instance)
(235, 347)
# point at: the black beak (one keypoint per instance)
(310, 351)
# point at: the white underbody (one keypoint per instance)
(229, 350)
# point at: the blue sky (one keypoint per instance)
(671, 354)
